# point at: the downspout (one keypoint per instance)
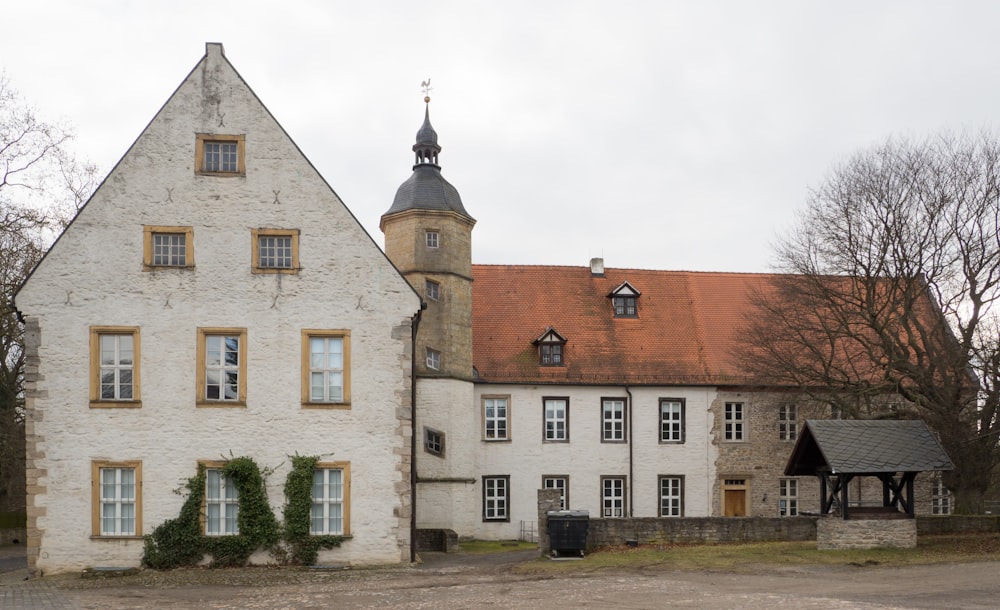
(414, 326)
(631, 468)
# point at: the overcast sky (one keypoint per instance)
(664, 135)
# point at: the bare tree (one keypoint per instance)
(41, 187)
(890, 295)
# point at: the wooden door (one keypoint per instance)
(735, 503)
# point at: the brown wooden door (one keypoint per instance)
(735, 503)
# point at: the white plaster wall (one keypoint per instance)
(93, 276)
(526, 458)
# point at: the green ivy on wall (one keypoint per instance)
(298, 508)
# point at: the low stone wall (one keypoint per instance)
(603, 532)
(443, 540)
(957, 524)
(834, 533)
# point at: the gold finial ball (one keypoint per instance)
(427, 99)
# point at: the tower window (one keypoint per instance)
(433, 290)
(432, 239)
(433, 359)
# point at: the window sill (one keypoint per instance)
(275, 270)
(327, 405)
(130, 537)
(224, 404)
(555, 440)
(663, 442)
(498, 520)
(115, 404)
(496, 440)
(164, 267)
(200, 172)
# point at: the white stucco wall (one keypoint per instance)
(93, 276)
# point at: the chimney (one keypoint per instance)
(597, 267)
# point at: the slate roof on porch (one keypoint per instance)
(865, 447)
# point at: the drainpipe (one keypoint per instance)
(631, 469)
(414, 325)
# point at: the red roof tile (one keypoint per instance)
(686, 327)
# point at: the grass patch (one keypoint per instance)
(495, 546)
(763, 556)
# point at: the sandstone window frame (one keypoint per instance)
(205, 334)
(99, 500)
(267, 239)
(97, 400)
(204, 150)
(150, 233)
(329, 500)
(308, 370)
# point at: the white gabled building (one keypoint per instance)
(214, 298)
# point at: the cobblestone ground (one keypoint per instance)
(470, 581)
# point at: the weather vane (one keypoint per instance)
(426, 88)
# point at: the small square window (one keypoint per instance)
(431, 239)
(167, 247)
(433, 359)
(434, 441)
(220, 155)
(433, 290)
(275, 250)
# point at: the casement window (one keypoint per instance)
(550, 348)
(114, 366)
(788, 497)
(940, 498)
(613, 497)
(434, 441)
(275, 250)
(734, 422)
(222, 505)
(167, 247)
(560, 482)
(496, 498)
(326, 368)
(556, 414)
(431, 239)
(220, 155)
(624, 300)
(671, 420)
(331, 491)
(116, 499)
(433, 359)
(671, 496)
(222, 367)
(787, 429)
(432, 290)
(495, 421)
(613, 420)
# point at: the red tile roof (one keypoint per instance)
(686, 327)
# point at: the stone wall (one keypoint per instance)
(958, 524)
(833, 533)
(699, 530)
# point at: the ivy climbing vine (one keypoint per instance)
(298, 497)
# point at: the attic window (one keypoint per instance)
(220, 155)
(550, 348)
(625, 299)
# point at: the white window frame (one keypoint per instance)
(556, 419)
(671, 488)
(788, 497)
(560, 482)
(496, 498)
(433, 359)
(432, 290)
(672, 413)
(787, 422)
(614, 427)
(225, 504)
(941, 503)
(432, 239)
(613, 499)
(117, 502)
(325, 367)
(735, 422)
(117, 360)
(330, 511)
(496, 418)
(221, 368)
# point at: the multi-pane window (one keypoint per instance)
(613, 420)
(328, 514)
(787, 429)
(671, 420)
(432, 290)
(222, 366)
(431, 239)
(116, 498)
(613, 496)
(495, 498)
(221, 504)
(114, 366)
(940, 498)
(550, 354)
(275, 250)
(220, 154)
(671, 496)
(624, 307)
(562, 484)
(433, 359)
(434, 441)
(734, 423)
(495, 418)
(556, 419)
(167, 247)
(788, 497)
(326, 369)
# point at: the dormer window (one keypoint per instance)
(624, 299)
(550, 348)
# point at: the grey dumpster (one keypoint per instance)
(568, 532)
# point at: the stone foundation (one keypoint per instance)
(835, 533)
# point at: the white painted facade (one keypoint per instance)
(94, 276)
